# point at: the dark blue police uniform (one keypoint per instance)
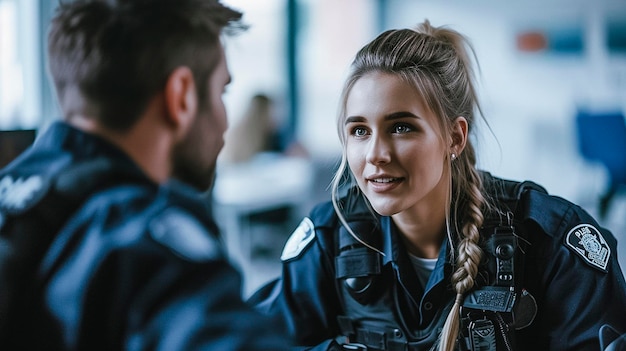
(95, 256)
(566, 284)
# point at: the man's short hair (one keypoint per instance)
(108, 58)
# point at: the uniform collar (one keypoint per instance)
(395, 253)
(439, 273)
(420, 300)
(390, 240)
(62, 137)
(393, 246)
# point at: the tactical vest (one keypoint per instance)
(33, 208)
(491, 312)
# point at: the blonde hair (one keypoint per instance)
(435, 61)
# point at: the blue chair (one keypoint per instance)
(602, 138)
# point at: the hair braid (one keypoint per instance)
(468, 259)
(468, 250)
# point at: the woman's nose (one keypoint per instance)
(379, 151)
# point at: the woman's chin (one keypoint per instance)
(384, 209)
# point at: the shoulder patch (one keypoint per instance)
(299, 240)
(21, 194)
(587, 241)
(184, 235)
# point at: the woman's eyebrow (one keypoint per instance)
(354, 119)
(401, 114)
(389, 117)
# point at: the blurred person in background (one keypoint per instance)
(259, 133)
(420, 250)
(101, 249)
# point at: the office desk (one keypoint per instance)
(263, 184)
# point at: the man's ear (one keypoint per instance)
(458, 135)
(181, 98)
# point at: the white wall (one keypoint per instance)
(20, 65)
(256, 57)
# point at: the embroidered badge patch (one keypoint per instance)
(299, 240)
(588, 243)
(19, 194)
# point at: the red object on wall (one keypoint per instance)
(531, 41)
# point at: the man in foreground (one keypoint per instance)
(99, 248)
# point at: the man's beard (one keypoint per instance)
(202, 180)
(191, 170)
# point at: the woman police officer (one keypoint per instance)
(426, 251)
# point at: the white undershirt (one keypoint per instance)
(423, 267)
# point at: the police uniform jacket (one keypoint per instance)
(572, 286)
(95, 256)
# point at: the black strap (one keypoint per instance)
(358, 263)
(376, 338)
(355, 259)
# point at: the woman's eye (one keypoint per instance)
(402, 128)
(359, 131)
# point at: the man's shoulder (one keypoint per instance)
(173, 217)
(185, 234)
(27, 180)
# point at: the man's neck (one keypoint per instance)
(147, 144)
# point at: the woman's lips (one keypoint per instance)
(384, 184)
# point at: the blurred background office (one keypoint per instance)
(551, 73)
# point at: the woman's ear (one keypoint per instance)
(458, 135)
(181, 99)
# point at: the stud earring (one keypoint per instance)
(453, 156)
